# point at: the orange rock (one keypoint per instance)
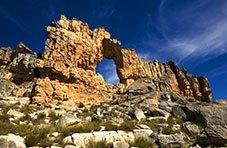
(48, 91)
(72, 53)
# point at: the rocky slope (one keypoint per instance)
(59, 93)
(133, 120)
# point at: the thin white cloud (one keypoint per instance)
(219, 71)
(111, 73)
(108, 71)
(211, 41)
(145, 55)
(204, 34)
(113, 78)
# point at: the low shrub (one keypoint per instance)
(142, 143)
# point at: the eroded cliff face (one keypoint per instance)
(67, 68)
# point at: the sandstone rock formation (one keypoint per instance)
(67, 68)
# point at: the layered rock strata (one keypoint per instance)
(67, 68)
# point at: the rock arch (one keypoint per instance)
(73, 51)
(71, 47)
(126, 60)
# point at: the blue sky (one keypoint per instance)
(191, 32)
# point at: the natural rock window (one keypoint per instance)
(107, 68)
(74, 54)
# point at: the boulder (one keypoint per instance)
(140, 87)
(167, 106)
(54, 146)
(120, 144)
(5, 74)
(15, 114)
(127, 136)
(15, 100)
(179, 112)
(11, 141)
(156, 112)
(193, 129)
(84, 139)
(107, 136)
(171, 141)
(212, 118)
(79, 139)
(143, 133)
(71, 146)
(139, 114)
(68, 119)
(10, 89)
(215, 132)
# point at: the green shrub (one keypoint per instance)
(40, 118)
(5, 108)
(142, 143)
(4, 117)
(26, 117)
(53, 116)
(100, 144)
(128, 125)
(7, 127)
(38, 136)
(26, 109)
(109, 126)
(78, 128)
(153, 125)
(168, 130)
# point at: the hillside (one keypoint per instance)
(58, 99)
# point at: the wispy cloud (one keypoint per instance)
(145, 55)
(107, 69)
(112, 78)
(211, 41)
(191, 32)
(219, 71)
